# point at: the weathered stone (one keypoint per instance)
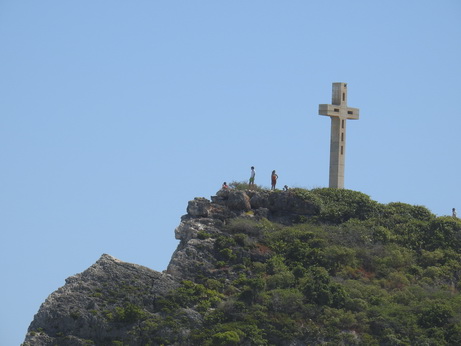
(259, 200)
(238, 200)
(193, 257)
(199, 207)
(235, 200)
(75, 310)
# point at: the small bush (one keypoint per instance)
(241, 185)
(285, 300)
(397, 212)
(226, 338)
(242, 239)
(203, 235)
(129, 313)
(245, 226)
(340, 205)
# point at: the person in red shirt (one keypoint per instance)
(274, 178)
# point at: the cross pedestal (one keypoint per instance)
(339, 113)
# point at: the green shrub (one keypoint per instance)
(283, 279)
(223, 242)
(258, 267)
(337, 256)
(129, 313)
(310, 197)
(285, 300)
(226, 255)
(431, 258)
(221, 264)
(340, 205)
(444, 232)
(243, 240)
(251, 289)
(276, 264)
(213, 284)
(397, 212)
(436, 314)
(244, 225)
(226, 338)
(203, 235)
(241, 185)
(319, 289)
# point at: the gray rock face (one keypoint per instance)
(199, 207)
(96, 305)
(80, 310)
(194, 255)
(235, 200)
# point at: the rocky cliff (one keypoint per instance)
(104, 304)
(82, 309)
(298, 267)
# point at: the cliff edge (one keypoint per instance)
(99, 305)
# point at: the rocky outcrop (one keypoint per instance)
(282, 206)
(96, 305)
(85, 307)
(197, 253)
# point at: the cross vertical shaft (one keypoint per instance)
(339, 113)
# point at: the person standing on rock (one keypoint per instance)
(252, 178)
(274, 178)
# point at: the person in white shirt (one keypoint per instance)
(252, 178)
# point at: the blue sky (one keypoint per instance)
(114, 114)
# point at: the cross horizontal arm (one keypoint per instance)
(339, 111)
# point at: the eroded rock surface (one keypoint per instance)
(83, 309)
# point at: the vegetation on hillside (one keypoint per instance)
(358, 273)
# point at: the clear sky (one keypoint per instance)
(114, 114)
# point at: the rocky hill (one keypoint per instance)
(296, 267)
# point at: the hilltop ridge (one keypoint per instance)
(296, 267)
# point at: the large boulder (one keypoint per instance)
(235, 200)
(85, 307)
(199, 207)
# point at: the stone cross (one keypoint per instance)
(339, 113)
